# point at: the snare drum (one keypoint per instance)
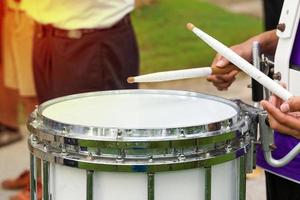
(139, 145)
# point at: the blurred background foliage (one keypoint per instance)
(165, 43)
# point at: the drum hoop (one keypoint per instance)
(87, 164)
(175, 142)
(74, 131)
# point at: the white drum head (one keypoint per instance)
(140, 110)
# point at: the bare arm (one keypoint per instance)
(268, 42)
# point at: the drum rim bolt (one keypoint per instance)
(245, 149)
(228, 148)
(33, 138)
(247, 117)
(119, 134)
(242, 143)
(90, 156)
(207, 155)
(64, 150)
(228, 127)
(181, 157)
(35, 123)
(182, 133)
(277, 76)
(281, 27)
(150, 159)
(119, 159)
(46, 147)
(65, 131)
(272, 147)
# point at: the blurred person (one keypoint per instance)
(82, 46)
(282, 182)
(272, 10)
(9, 131)
(17, 54)
(17, 69)
(284, 116)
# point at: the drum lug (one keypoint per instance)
(207, 155)
(46, 147)
(65, 131)
(63, 150)
(150, 159)
(119, 134)
(228, 148)
(90, 157)
(34, 139)
(182, 133)
(120, 156)
(181, 157)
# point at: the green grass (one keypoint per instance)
(166, 44)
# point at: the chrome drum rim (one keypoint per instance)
(114, 149)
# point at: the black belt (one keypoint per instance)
(49, 30)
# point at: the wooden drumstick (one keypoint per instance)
(181, 74)
(223, 70)
(241, 63)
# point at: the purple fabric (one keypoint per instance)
(284, 145)
(295, 56)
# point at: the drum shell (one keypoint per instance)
(178, 163)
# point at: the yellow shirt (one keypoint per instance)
(78, 14)
(12, 4)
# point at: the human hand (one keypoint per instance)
(284, 116)
(223, 81)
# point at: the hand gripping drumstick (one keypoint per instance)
(242, 63)
(180, 74)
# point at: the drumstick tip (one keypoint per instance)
(190, 26)
(130, 79)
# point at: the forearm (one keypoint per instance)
(267, 40)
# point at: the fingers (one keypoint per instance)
(283, 129)
(292, 105)
(275, 100)
(222, 82)
(228, 77)
(281, 121)
(219, 61)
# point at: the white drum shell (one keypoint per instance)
(70, 183)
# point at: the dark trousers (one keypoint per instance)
(99, 60)
(281, 189)
(272, 11)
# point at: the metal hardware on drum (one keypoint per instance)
(266, 65)
(207, 183)
(252, 115)
(33, 177)
(89, 184)
(267, 139)
(242, 179)
(150, 158)
(257, 88)
(46, 180)
(151, 179)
